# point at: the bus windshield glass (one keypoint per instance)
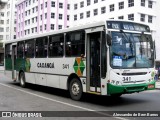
(131, 50)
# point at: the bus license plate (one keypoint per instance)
(150, 86)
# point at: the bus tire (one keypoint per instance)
(22, 80)
(75, 89)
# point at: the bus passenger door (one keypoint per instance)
(93, 43)
(14, 56)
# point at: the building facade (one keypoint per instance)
(7, 25)
(2, 33)
(40, 16)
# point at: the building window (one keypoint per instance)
(88, 2)
(82, 4)
(143, 3)
(52, 15)
(46, 15)
(41, 6)
(35, 29)
(150, 18)
(103, 10)
(95, 12)
(29, 12)
(150, 4)
(121, 17)
(142, 18)
(52, 4)
(32, 30)
(36, 19)
(59, 27)
(60, 5)
(131, 17)
(32, 20)
(36, 8)
(29, 21)
(32, 10)
(121, 5)
(41, 17)
(68, 17)
(45, 27)
(26, 22)
(46, 4)
(130, 3)
(88, 14)
(41, 28)
(68, 6)
(95, 1)
(75, 6)
(81, 15)
(60, 16)
(75, 17)
(111, 7)
(52, 26)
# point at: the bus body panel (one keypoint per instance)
(30, 77)
(8, 73)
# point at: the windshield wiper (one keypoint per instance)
(127, 39)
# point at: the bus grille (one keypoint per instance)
(138, 88)
(139, 73)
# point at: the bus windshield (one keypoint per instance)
(131, 50)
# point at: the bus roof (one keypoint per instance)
(79, 27)
(101, 23)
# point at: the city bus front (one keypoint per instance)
(131, 58)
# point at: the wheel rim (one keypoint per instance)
(22, 81)
(75, 88)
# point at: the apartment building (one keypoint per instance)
(2, 33)
(40, 16)
(7, 25)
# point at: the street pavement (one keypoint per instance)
(40, 98)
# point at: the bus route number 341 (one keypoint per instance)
(126, 79)
(65, 66)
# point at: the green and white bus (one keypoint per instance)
(104, 58)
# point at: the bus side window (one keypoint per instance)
(20, 50)
(75, 44)
(29, 49)
(56, 45)
(41, 47)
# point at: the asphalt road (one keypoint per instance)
(40, 98)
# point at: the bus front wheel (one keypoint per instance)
(22, 80)
(75, 89)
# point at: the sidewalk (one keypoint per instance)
(158, 84)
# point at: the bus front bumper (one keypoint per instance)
(124, 89)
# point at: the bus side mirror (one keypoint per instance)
(109, 40)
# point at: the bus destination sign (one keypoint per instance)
(127, 26)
